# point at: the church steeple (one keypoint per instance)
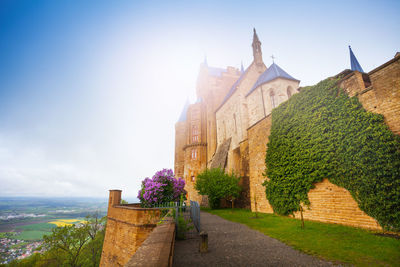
(354, 62)
(257, 54)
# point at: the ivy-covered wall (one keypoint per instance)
(322, 133)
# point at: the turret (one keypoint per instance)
(354, 62)
(114, 198)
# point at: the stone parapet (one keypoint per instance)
(127, 228)
(158, 249)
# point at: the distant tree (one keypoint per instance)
(96, 231)
(217, 185)
(123, 201)
(65, 243)
(73, 245)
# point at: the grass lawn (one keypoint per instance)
(37, 227)
(329, 241)
(31, 235)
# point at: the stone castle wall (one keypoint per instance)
(333, 204)
(258, 139)
(211, 90)
(247, 120)
(180, 137)
(127, 228)
(382, 95)
(330, 203)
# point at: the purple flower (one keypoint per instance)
(162, 187)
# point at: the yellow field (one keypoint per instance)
(64, 222)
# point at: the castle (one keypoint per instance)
(230, 122)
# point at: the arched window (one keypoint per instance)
(273, 100)
(194, 153)
(195, 134)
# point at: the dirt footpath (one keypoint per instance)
(234, 244)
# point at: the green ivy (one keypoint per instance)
(320, 133)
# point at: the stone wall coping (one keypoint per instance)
(194, 144)
(260, 120)
(158, 248)
(384, 65)
(133, 207)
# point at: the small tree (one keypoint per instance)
(217, 184)
(65, 244)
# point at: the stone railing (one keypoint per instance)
(128, 226)
(158, 248)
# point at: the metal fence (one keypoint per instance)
(187, 217)
(195, 214)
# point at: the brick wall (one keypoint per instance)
(379, 92)
(127, 228)
(258, 139)
(329, 203)
(383, 95)
(333, 204)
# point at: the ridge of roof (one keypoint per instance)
(214, 71)
(271, 73)
(182, 117)
(233, 88)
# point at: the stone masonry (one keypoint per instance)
(127, 228)
(236, 106)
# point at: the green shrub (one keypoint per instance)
(322, 133)
(217, 185)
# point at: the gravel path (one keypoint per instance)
(234, 244)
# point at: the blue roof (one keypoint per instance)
(272, 73)
(184, 111)
(233, 88)
(354, 62)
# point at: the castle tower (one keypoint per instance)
(195, 148)
(180, 141)
(257, 54)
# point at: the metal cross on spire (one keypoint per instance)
(273, 58)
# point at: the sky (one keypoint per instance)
(90, 90)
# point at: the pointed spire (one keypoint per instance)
(205, 61)
(241, 67)
(255, 36)
(354, 62)
(182, 117)
(256, 48)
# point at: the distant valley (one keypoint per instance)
(24, 221)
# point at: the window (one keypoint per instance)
(195, 134)
(193, 178)
(272, 96)
(194, 153)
